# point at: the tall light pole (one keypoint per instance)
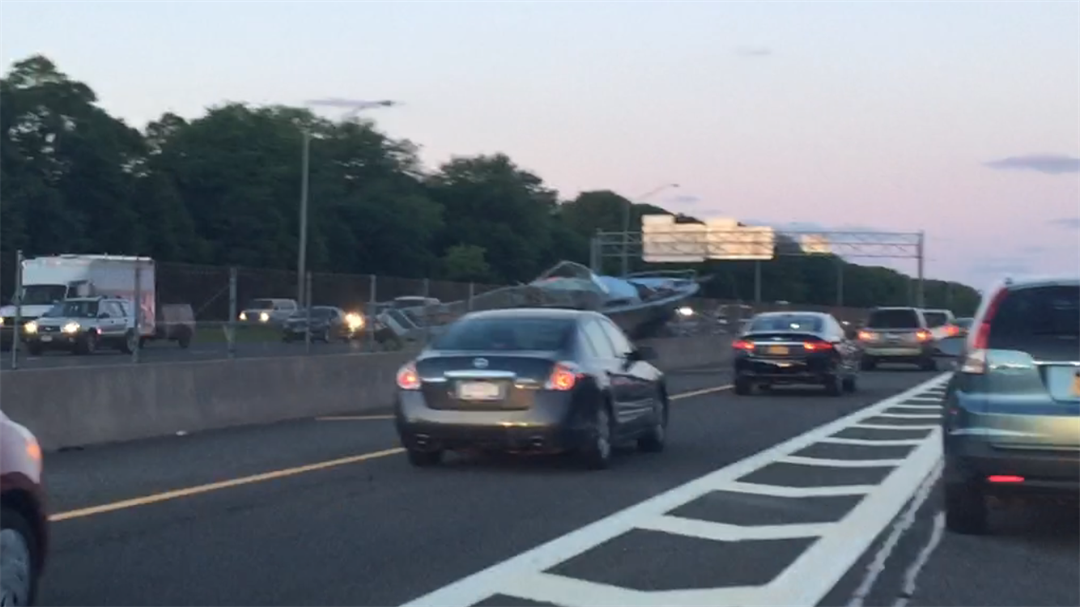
(353, 108)
(626, 222)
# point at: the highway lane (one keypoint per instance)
(377, 532)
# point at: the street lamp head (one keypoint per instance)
(352, 106)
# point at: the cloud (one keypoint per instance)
(1069, 223)
(753, 51)
(1032, 250)
(1051, 164)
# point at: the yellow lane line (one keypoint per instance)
(236, 482)
(273, 475)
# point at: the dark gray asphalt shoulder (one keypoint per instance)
(380, 532)
(1031, 557)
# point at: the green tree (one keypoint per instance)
(490, 202)
(466, 263)
(224, 188)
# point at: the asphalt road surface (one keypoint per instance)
(727, 515)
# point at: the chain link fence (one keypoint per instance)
(212, 312)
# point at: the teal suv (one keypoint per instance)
(1011, 424)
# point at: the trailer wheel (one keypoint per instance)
(184, 337)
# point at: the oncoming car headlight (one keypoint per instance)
(30, 327)
(71, 327)
(354, 321)
(686, 311)
(264, 317)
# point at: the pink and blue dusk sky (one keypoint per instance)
(958, 118)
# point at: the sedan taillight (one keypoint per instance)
(742, 344)
(817, 346)
(563, 377)
(407, 378)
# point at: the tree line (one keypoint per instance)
(223, 189)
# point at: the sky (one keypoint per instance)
(960, 119)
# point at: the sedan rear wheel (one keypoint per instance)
(597, 454)
(743, 387)
(654, 440)
(834, 385)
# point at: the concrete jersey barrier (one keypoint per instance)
(79, 406)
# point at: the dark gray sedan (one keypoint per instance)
(534, 381)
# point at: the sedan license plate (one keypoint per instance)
(479, 390)
(46, 338)
(778, 350)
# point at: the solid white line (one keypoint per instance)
(570, 592)
(869, 442)
(816, 571)
(782, 491)
(893, 427)
(917, 407)
(840, 463)
(910, 415)
(912, 575)
(924, 399)
(501, 577)
(723, 532)
(905, 522)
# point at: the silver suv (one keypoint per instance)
(83, 325)
(897, 335)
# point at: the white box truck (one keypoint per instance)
(47, 281)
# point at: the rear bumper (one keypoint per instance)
(784, 370)
(971, 460)
(551, 425)
(903, 353)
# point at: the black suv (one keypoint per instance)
(1011, 421)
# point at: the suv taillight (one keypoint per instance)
(975, 359)
(407, 378)
(922, 335)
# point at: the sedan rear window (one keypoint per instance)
(787, 322)
(893, 319)
(1035, 314)
(502, 334)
